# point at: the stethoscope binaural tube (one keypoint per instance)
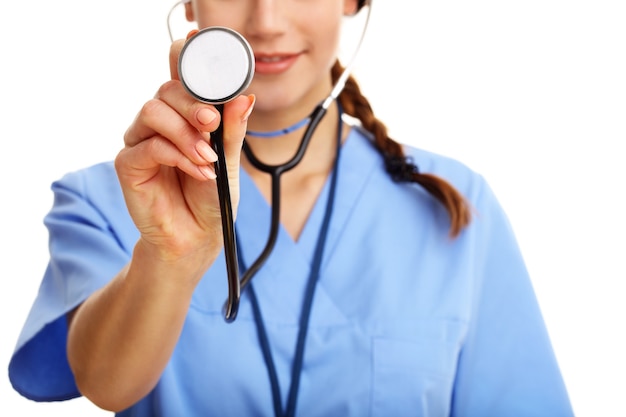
(275, 172)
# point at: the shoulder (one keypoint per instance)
(469, 182)
(97, 183)
(100, 173)
(90, 191)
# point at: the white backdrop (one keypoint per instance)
(532, 94)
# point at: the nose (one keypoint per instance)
(268, 18)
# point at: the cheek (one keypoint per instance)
(323, 26)
(207, 16)
(327, 42)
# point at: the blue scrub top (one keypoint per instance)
(405, 321)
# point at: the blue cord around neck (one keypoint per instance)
(279, 132)
(307, 304)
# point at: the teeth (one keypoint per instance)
(270, 59)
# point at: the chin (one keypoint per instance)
(273, 99)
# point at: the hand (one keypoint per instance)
(166, 167)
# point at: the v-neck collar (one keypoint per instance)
(283, 277)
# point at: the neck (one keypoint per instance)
(301, 185)
(279, 132)
(281, 148)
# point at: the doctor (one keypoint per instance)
(396, 287)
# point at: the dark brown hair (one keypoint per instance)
(398, 165)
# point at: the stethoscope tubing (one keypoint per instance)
(235, 284)
(228, 224)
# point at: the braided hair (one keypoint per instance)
(400, 167)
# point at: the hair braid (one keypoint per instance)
(400, 167)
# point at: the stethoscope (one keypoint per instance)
(216, 64)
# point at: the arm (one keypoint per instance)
(120, 339)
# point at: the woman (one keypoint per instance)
(420, 303)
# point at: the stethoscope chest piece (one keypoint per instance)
(216, 65)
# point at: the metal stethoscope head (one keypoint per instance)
(216, 65)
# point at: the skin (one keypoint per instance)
(309, 29)
(121, 338)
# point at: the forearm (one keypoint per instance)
(121, 337)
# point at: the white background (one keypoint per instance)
(530, 93)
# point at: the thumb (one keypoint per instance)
(235, 120)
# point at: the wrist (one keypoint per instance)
(180, 266)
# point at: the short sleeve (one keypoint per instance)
(85, 252)
(507, 367)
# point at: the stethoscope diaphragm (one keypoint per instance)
(216, 64)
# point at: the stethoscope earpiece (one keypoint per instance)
(216, 64)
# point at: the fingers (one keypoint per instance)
(175, 115)
(184, 123)
(169, 113)
(141, 163)
(235, 120)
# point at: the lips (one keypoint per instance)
(274, 63)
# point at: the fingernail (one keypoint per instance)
(191, 33)
(206, 152)
(207, 172)
(205, 116)
(252, 99)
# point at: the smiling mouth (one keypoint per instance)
(273, 58)
(270, 59)
(274, 63)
